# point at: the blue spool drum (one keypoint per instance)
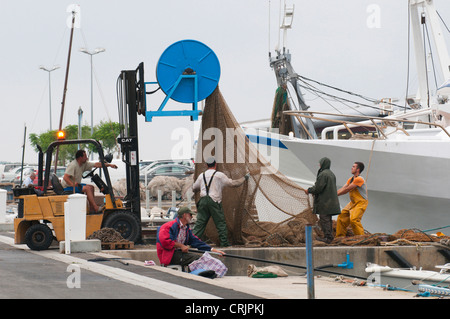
(180, 58)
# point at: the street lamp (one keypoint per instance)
(91, 53)
(49, 89)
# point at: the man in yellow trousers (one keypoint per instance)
(354, 211)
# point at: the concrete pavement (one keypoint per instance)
(100, 275)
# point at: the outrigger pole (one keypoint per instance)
(65, 85)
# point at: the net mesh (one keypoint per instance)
(280, 104)
(268, 209)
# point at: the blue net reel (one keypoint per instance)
(188, 71)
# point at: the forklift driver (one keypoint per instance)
(74, 173)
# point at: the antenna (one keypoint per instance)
(288, 18)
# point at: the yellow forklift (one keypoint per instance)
(40, 217)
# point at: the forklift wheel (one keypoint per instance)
(39, 237)
(125, 223)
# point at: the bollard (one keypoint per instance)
(309, 262)
(3, 194)
(147, 199)
(174, 199)
(189, 195)
(74, 220)
(159, 198)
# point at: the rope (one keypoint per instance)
(432, 229)
(274, 262)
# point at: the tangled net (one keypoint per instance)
(403, 237)
(268, 209)
(107, 235)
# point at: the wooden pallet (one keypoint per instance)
(118, 245)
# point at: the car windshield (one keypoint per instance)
(162, 170)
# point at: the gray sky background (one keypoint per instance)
(330, 42)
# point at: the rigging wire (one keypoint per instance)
(338, 89)
(425, 59)
(311, 88)
(443, 21)
(432, 57)
(350, 93)
(316, 92)
(409, 54)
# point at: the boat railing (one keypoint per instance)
(384, 126)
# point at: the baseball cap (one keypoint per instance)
(184, 210)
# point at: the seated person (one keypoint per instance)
(74, 173)
(28, 182)
(174, 238)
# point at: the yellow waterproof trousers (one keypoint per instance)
(352, 215)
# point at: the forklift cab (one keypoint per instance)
(41, 213)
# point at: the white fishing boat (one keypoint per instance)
(410, 279)
(406, 152)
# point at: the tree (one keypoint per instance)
(105, 132)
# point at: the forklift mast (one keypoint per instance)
(131, 100)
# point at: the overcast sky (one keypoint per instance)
(330, 41)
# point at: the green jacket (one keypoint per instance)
(324, 190)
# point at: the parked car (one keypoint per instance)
(11, 176)
(60, 170)
(153, 164)
(143, 164)
(175, 170)
(5, 168)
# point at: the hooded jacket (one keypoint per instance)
(326, 200)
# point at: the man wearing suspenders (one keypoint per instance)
(210, 184)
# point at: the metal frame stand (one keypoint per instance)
(194, 113)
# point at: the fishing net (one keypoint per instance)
(107, 235)
(279, 120)
(268, 209)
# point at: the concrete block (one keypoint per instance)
(81, 246)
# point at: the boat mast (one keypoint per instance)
(424, 11)
(285, 74)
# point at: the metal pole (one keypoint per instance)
(92, 101)
(63, 103)
(50, 98)
(80, 116)
(96, 51)
(49, 70)
(92, 108)
(23, 154)
(309, 262)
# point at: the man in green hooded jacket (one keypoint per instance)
(326, 202)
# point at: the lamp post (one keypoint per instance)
(91, 53)
(49, 70)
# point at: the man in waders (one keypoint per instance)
(210, 184)
(354, 211)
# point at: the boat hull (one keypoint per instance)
(407, 279)
(408, 188)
